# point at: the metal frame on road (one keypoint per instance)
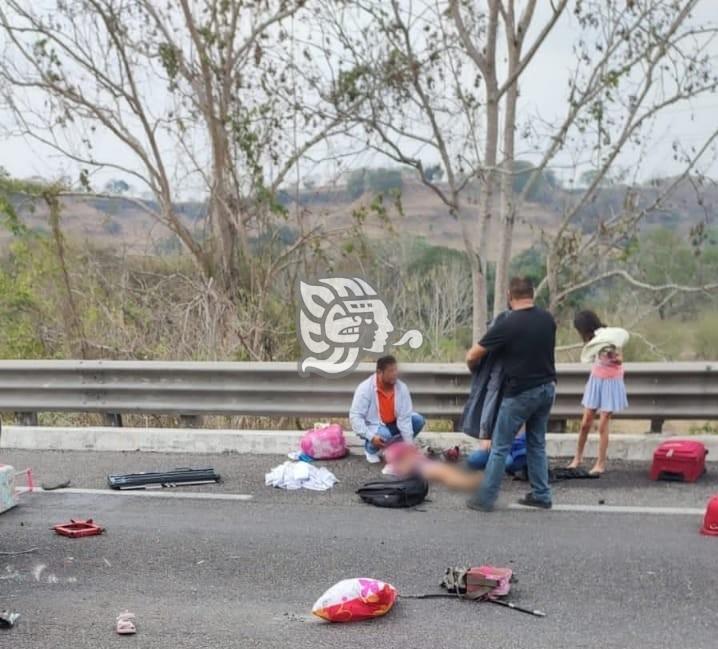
(657, 391)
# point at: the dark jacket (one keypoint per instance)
(482, 406)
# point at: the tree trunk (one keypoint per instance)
(508, 206)
(486, 207)
(551, 280)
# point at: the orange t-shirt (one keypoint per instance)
(385, 397)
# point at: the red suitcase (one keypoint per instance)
(679, 459)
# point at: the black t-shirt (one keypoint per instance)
(525, 340)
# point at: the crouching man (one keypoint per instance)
(381, 411)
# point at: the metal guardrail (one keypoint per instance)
(657, 391)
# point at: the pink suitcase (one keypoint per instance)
(679, 459)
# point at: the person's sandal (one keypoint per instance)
(126, 624)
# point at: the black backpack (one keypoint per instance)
(405, 492)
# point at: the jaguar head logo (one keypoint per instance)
(340, 320)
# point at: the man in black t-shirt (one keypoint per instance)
(526, 340)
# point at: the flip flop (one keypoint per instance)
(125, 624)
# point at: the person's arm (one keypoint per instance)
(404, 408)
(474, 355)
(358, 413)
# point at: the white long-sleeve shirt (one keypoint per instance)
(364, 412)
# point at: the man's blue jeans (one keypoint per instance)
(531, 407)
(390, 433)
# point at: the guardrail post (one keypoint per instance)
(112, 419)
(26, 418)
(190, 421)
(657, 425)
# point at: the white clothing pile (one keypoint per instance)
(300, 475)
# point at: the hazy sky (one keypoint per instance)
(542, 93)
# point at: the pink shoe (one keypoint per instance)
(126, 624)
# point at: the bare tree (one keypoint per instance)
(430, 73)
(634, 62)
(397, 63)
(501, 97)
(198, 95)
(441, 81)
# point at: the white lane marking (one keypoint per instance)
(164, 493)
(621, 509)
(195, 495)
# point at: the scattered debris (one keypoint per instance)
(8, 619)
(569, 473)
(451, 455)
(29, 483)
(38, 570)
(59, 485)
(15, 554)
(300, 457)
(158, 480)
(107, 563)
(354, 600)
(125, 624)
(300, 475)
(77, 529)
(38, 573)
(296, 617)
(8, 492)
(710, 521)
(10, 573)
(483, 583)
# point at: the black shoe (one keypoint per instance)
(530, 501)
(475, 504)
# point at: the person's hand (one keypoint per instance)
(378, 442)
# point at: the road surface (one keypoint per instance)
(244, 573)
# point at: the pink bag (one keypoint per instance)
(324, 442)
(354, 600)
(489, 581)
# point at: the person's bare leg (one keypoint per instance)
(452, 476)
(586, 424)
(604, 423)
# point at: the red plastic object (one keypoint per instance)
(679, 459)
(76, 529)
(710, 522)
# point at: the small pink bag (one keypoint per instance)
(324, 442)
(491, 581)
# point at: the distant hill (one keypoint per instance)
(118, 222)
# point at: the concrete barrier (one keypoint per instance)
(192, 440)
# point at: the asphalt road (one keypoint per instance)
(220, 574)
(625, 484)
